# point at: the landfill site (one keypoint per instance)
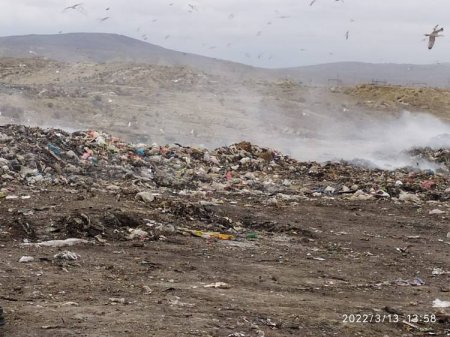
(166, 200)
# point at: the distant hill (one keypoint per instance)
(104, 47)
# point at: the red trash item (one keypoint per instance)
(428, 184)
(229, 175)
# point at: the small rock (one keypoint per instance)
(145, 197)
(408, 197)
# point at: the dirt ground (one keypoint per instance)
(295, 270)
(316, 265)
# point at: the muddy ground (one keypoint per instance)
(293, 270)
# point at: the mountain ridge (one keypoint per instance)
(108, 47)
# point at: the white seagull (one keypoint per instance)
(434, 34)
(78, 7)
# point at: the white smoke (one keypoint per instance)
(381, 143)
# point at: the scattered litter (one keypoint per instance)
(147, 289)
(437, 303)
(417, 281)
(57, 243)
(67, 255)
(49, 327)
(436, 211)
(251, 236)
(309, 256)
(439, 271)
(70, 304)
(210, 235)
(26, 259)
(218, 285)
(136, 233)
(116, 300)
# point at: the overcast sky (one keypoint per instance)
(268, 33)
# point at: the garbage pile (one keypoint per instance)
(92, 159)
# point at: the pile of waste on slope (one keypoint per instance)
(34, 156)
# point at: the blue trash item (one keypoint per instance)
(430, 172)
(140, 151)
(56, 150)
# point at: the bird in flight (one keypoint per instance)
(193, 7)
(103, 19)
(78, 7)
(346, 34)
(433, 35)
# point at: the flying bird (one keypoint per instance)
(103, 19)
(433, 35)
(78, 7)
(193, 7)
(346, 34)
